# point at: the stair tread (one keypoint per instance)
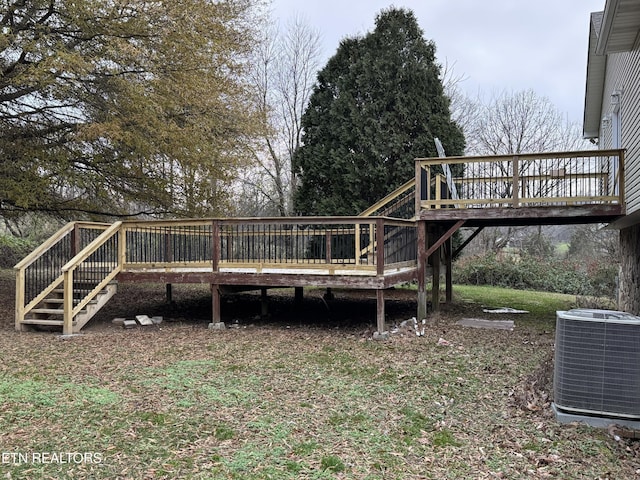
(51, 311)
(43, 321)
(61, 300)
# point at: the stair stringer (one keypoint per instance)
(83, 317)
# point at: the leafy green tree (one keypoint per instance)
(122, 107)
(378, 104)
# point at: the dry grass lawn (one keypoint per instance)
(307, 395)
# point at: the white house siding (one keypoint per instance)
(623, 74)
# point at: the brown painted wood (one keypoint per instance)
(380, 246)
(468, 241)
(550, 215)
(421, 270)
(435, 281)
(438, 243)
(216, 244)
(448, 247)
(215, 304)
(258, 280)
(380, 313)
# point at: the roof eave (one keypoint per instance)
(596, 69)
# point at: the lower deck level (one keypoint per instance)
(232, 279)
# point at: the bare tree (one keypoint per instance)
(284, 73)
(464, 110)
(515, 123)
(520, 122)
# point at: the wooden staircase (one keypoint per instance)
(69, 278)
(50, 311)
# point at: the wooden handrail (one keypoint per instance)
(70, 310)
(51, 241)
(521, 156)
(319, 220)
(389, 198)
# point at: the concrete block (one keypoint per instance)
(144, 320)
(129, 324)
(157, 320)
(594, 420)
(381, 336)
(118, 321)
(217, 326)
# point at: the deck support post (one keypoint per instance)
(432, 237)
(264, 303)
(299, 295)
(448, 251)
(422, 261)
(380, 310)
(169, 292)
(215, 304)
(435, 284)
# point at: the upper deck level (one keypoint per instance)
(525, 189)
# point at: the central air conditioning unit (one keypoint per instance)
(597, 364)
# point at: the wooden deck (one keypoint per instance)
(74, 273)
(526, 189)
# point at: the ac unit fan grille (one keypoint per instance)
(597, 367)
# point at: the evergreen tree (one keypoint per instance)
(378, 104)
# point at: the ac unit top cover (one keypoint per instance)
(593, 315)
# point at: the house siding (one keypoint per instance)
(623, 74)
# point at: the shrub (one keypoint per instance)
(13, 249)
(596, 278)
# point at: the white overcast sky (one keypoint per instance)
(497, 45)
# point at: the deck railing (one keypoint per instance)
(307, 242)
(525, 180)
(83, 258)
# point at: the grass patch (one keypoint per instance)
(332, 463)
(542, 305)
(445, 438)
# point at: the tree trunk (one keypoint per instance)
(629, 284)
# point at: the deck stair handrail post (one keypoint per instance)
(72, 308)
(122, 246)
